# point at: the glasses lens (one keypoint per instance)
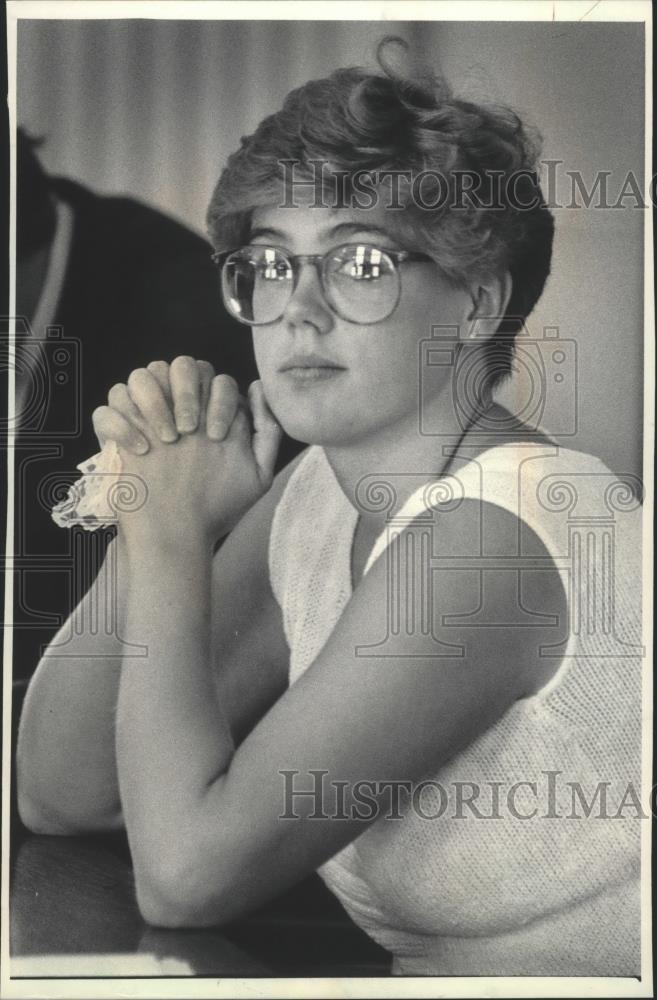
(256, 283)
(363, 283)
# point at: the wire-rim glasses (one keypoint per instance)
(361, 282)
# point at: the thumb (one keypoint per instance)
(267, 433)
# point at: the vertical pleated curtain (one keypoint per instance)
(153, 108)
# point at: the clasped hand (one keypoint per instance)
(203, 452)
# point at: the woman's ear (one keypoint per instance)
(490, 299)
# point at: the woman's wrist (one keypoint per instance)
(151, 546)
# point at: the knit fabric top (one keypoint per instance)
(531, 885)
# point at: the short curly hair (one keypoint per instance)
(357, 122)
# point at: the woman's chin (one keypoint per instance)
(317, 431)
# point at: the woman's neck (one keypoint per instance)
(378, 473)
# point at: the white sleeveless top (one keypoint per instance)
(458, 894)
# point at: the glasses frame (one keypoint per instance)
(320, 260)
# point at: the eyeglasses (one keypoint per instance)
(360, 282)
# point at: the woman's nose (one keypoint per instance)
(307, 303)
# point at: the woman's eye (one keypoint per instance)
(361, 270)
(273, 271)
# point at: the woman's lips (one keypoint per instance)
(310, 368)
(312, 373)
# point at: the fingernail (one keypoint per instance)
(140, 446)
(186, 421)
(167, 435)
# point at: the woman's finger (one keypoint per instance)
(240, 429)
(206, 374)
(185, 381)
(267, 433)
(222, 406)
(146, 393)
(110, 425)
(160, 371)
(120, 399)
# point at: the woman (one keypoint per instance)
(398, 652)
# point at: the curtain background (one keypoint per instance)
(153, 108)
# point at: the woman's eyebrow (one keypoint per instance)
(346, 228)
(275, 234)
(341, 229)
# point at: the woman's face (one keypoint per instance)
(333, 382)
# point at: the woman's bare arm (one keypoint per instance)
(66, 755)
(204, 817)
(66, 765)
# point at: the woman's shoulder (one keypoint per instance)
(498, 439)
(530, 466)
(445, 581)
(550, 486)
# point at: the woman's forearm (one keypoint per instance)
(173, 740)
(66, 763)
